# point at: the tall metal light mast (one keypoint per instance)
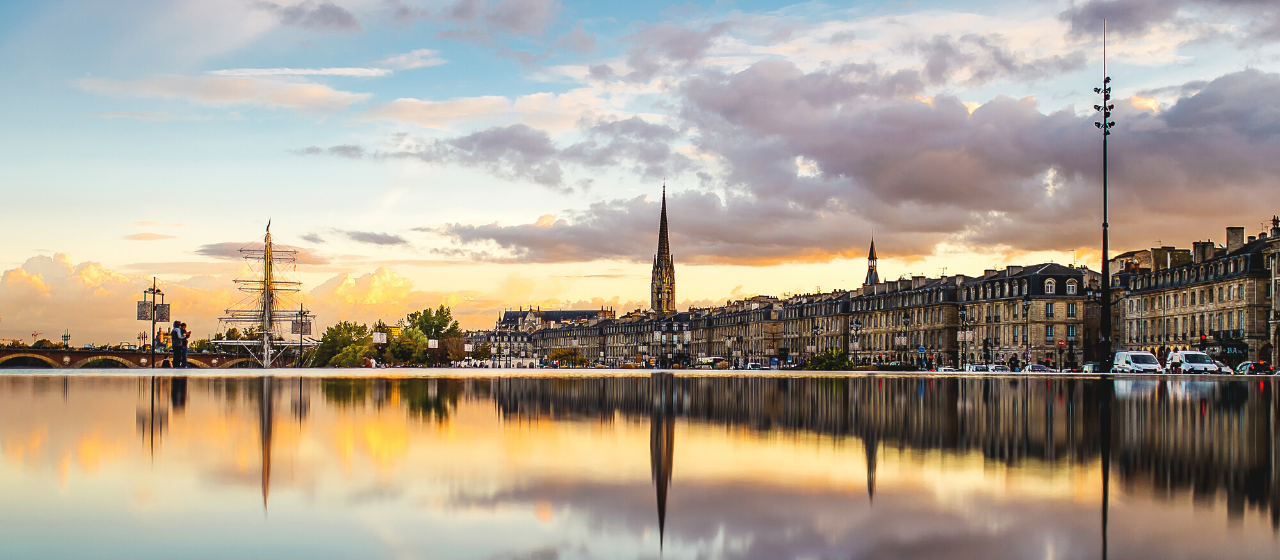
(1104, 341)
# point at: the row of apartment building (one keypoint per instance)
(1218, 298)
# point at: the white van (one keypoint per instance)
(1136, 362)
(1190, 361)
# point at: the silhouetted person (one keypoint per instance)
(177, 343)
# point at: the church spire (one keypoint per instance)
(663, 285)
(872, 276)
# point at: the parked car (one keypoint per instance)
(978, 368)
(1136, 362)
(947, 369)
(1036, 368)
(1189, 361)
(1223, 368)
(1092, 367)
(997, 367)
(1254, 368)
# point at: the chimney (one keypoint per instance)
(1252, 238)
(1201, 251)
(988, 273)
(917, 281)
(1275, 227)
(1235, 239)
(1014, 270)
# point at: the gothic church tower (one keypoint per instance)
(872, 276)
(663, 286)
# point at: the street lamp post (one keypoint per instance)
(964, 335)
(856, 325)
(1105, 125)
(1026, 331)
(906, 335)
(153, 291)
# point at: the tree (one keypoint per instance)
(44, 344)
(200, 345)
(337, 338)
(482, 352)
(355, 353)
(438, 325)
(233, 334)
(567, 356)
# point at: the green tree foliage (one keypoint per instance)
(831, 360)
(45, 344)
(233, 334)
(200, 345)
(355, 353)
(482, 352)
(567, 356)
(335, 339)
(438, 325)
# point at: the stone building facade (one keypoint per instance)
(1221, 301)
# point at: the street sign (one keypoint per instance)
(300, 327)
(162, 313)
(379, 338)
(920, 350)
(433, 343)
(466, 348)
(1062, 344)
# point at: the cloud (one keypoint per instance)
(142, 116)
(95, 303)
(439, 114)
(258, 72)
(418, 58)
(577, 41)
(220, 91)
(521, 152)
(980, 58)
(660, 44)
(317, 17)
(148, 237)
(931, 171)
(374, 238)
(1259, 20)
(515, 152)
(153, 223)
(230, 250)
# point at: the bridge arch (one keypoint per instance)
(40, 357)
(232, 362)
(198, 362)
(82, 363)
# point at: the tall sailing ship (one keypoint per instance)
(280, 325)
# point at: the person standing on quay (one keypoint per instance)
(177, 343)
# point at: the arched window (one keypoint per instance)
(1050, 287)
(1071, 287)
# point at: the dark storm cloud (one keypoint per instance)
(987, 57)
(374, 238)
(1134, 18)
(928, 172)
(320, 17)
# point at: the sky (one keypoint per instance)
(490, 154)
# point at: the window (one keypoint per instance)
(1050, 287)
(1048, 331)
(1071, 332)
(1048, 310)
(1071, 310)
(1071, 287)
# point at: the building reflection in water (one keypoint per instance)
(1163, 436)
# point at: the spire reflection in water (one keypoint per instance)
(511, 467)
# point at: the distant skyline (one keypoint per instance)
(489, 154)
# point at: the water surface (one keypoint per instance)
(526, 465)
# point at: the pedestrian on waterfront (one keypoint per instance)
(186, 344)
(176, 343)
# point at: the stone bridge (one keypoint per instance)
(74, 358)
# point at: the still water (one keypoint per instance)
(519, 466)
